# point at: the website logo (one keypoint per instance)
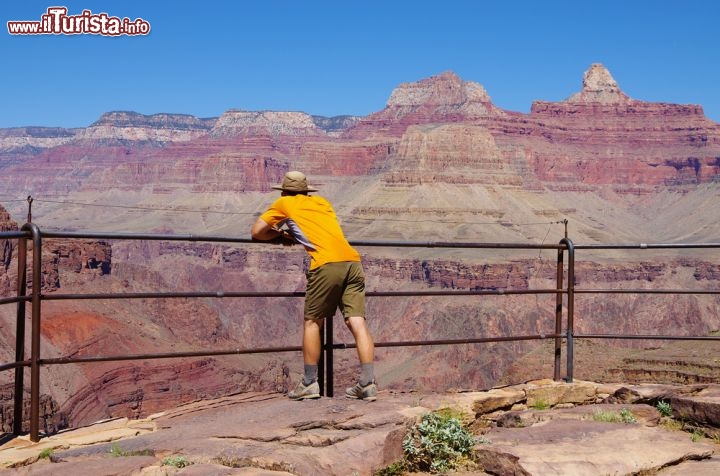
(57, 22)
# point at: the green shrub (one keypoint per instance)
(176, 461)
(664, 408)
(437, 443)
(46, 453)
(624, 416)
(395, 469)
(540, 404)
(116, 451)
(601, 415)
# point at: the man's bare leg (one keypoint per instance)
(365, 388)
(363, 339)
(311, 341)
(308, 386)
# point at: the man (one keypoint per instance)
(335, 279)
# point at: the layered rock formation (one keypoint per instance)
(445, 98)
(640, 143)
(20, 141)
(6, 251)
(265, 123)
(438, 129)
(452, 153)
(134, 127)
(84, 393)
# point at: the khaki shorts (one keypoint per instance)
(335, 285)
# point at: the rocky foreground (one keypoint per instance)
(537, 428)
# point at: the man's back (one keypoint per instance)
(313, 222)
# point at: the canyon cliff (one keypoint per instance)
(440, 162)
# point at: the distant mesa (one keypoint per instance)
(134, 119)
(444, 89)
(236, 122)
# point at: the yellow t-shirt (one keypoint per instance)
(313, 222)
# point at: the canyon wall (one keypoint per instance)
(81, 393)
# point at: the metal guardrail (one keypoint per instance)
(564, 291)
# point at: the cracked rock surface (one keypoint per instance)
(267, 434)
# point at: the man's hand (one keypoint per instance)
(284, 238)
(261, 231)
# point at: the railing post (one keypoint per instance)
(570, 307)
(20, 337)
(321, 362)
(558, 313)
(328, 354)
(35, 337)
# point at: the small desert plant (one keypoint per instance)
(395, 469)
(602, 415)
(116, 451)
(624, 416)
(230, 462)
(696, 432)
(437, 443)
(540, 404)
(176, 461)
(674, 425)
(664, 408)
(46, 453)
(446, 413)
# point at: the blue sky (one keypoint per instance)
(331, 58)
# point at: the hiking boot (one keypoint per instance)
(302, 392)
(367, 393)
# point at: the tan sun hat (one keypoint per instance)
(294, 181)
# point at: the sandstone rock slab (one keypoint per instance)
(266, 434)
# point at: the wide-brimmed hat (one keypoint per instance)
(294, 181)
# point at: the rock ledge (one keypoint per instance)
(540, 427)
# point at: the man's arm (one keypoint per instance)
(262, 231)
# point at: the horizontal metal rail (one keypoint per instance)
(170, 295)
(646, 337)
(272, 350)
(479, 340)
(647, 246)
(470, 292)
(14, 235)
(14, 299)
(645, 291)
(15, 365)
(259, 294)
(229, 239)
(168, 355)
